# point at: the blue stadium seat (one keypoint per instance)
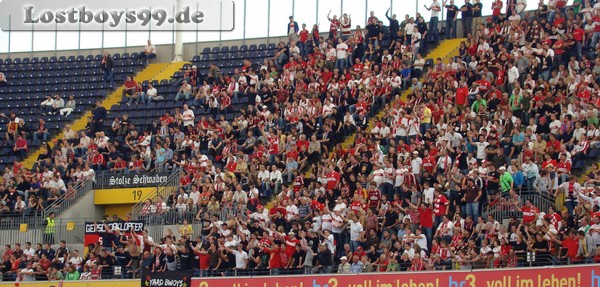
(116, 56)
(225, 49)
(44, 60)
(62, 59)
(272, 46)
(196, 59)
(35, 60)
(81, 58)
(53, 59)
(243, 48)
(233, 49)
(17, 61)
(125, 56)
(252, 47)
(262, 47)
(134, 55)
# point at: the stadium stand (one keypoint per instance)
(465, 158)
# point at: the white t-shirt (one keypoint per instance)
(188, 117)
(415, 165)
(342, 51)
(481, 149)
(435, 9)
(422, 241)
(151, 92)
(240, 259)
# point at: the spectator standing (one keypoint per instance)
(451, 14)
(106, 65)
(98, 116)
(435, 9)
(394, 25)
(467, 17)
(292, 30)
(49, 229)
(477, 17)
(333, 26)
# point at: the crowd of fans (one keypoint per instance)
(508, 117)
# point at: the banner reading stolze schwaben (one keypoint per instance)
(166, 279)
(92, 234)
(110, 181)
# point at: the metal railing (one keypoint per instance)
(31, 229)
(163, 189)
(503, 209)
(70, 198)
(134, 271)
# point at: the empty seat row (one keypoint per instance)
(80, 58)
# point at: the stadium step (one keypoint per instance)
(157, 71)
(446, 49)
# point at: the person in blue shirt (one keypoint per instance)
(518, 177)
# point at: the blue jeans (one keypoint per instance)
(303, 49)
(473, 209)
(423, 128)
(340, 64)
(429, 234)
(595, 39)
(551, 16)
(433, 29)
(108, 76)
(181, 95)
(450, 25)
(354, 245)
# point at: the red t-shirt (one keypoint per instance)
(275, 257)
(440, 204)
(426, 215)
(578, 34)
(304, 36)
(529, 214)
(461, 95)
(572, 246)
(21, 143)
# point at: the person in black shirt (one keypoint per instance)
(541, 249)
(123, 259)
(106, 65)
(394, 25)
(476, 13)
(185, 258)
(107, 237)
(98, 115)
(323, 260)
(451, 14)
(493, 182)
(467, 17)
(298, 259)
(106, 261)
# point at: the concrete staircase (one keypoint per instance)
(158, 71)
